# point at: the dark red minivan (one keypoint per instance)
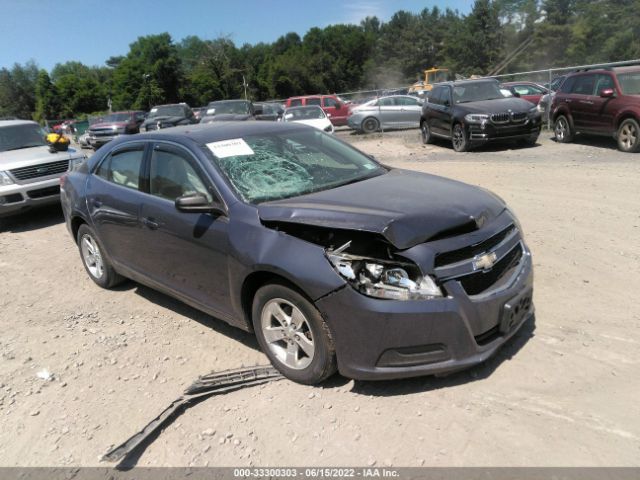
(600, 102)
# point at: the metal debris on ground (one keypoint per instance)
(206, 386)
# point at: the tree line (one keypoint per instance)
(337, 58)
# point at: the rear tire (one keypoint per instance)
(293, 334)
(370, 125)
(629, 136)
(95, 262)
(425, 131)
(562, 130)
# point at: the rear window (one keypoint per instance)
(584, 85)
(313, 101)
(296, 102)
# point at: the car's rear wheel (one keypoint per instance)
(629, 136)
(370, 125)
(293, 334)
(425, 132)
(94, 259)
(459, 138)
(562, 130)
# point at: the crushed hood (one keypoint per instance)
(107, 125)
(163, 119)
(405, 207)
(497, 106)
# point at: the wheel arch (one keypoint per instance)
(76, 222)
(624, 116)
(254, 281)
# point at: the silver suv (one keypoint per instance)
(29, 171)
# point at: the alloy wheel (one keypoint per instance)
(458, 138)
(628, 135)
(287, 333)
(92, 256)
(561, 129)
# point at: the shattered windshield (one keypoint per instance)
(15, 137)
(289, 163)
(476, 92)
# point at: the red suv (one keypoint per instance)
(600, 102)
(333, 106)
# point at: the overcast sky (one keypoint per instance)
(91, 31)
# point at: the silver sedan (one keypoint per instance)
(395, 111)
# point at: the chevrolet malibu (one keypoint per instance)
(335, 261)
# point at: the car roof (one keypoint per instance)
(218, 131)
(11, 123)
(629, 69)
(524, 82)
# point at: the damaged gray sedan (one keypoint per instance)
(334, 260)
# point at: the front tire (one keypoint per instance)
(370, 125)
(425, 133)
(94, 259)
(562, 130)
(629, 136)
(459, 138)
(293, 334)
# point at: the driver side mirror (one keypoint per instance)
(515, 94)
(338, 105)
(198, 203)
(607, 93)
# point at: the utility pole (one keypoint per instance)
(244, 84)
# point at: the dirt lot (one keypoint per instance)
(564, 392)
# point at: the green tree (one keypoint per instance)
(17, 90)
(47, 100)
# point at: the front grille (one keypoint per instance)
(104, 133)
(12, 198)
(518, 116)
(44, 192)
(41, 170)
(468, 253)
(478, 282)
(500, 117)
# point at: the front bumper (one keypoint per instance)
(385, 339)
(487, 132)
(19, 197)
(98, 141)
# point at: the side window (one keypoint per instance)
(313, 101)
(604, 81)
(123, 168)
(445, 95)
(172, 176)
(296, 102)
(524, 90)
(567, 85)
(434, 96)
(584, 85)
(386, 102)
(329, 102)
(407, 101)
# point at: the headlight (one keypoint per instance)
(540, 107)
(74, 163)
(5, 179)
(476, 117)
(383, 279)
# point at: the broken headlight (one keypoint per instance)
(383, 279)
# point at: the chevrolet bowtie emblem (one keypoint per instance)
(485, 262)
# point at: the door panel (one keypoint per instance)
(185, 252)
(113, 201)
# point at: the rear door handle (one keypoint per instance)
(587, 102)
(97, 203)
(150, 223)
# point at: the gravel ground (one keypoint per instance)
(564, 392)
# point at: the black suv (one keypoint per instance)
(473, 112)
(165, 116)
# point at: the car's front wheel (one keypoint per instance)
(459, 138)
(94, 260)
(562, 130)
(293, 334)
(425, 132)
(629, 136)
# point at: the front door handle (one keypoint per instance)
(97, 202)
(150, 223)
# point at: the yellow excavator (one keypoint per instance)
(431, 76)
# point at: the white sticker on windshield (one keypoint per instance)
(230, 148)
(153, 110)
